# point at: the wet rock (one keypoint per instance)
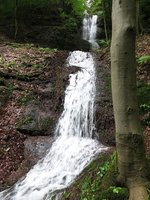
(37, 147)
(4, 95)
(35, 121)
(104, 118)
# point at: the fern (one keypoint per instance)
(144, 59)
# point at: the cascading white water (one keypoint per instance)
(74, 147)
(90, 29)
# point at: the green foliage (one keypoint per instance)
(103, 169)
(7, 64)
(91, 188)
(144, 103)
(104, 43)
(144, 59)
(113, 193)
(17, 17)
(96, 7)
(77, 7)
(47, 50)
(98, 182)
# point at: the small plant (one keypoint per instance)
(103, 169)
(116, 190)
(104, 43)
(143, 59)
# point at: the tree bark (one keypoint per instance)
(15, 18)
(105, 23)
(129, 138)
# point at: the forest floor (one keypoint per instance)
(37, 77)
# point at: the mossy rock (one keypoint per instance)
(35, 122)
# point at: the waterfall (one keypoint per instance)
(90, 29)
(74, 147)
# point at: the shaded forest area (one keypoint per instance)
(58, 24)
(55, 24)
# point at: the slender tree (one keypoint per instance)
(129, 138)
(15, 19)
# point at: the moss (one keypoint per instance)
(24, 121)
(97, 182)
(19, 45)
(112, 193)
(25, 99)
(46, 123)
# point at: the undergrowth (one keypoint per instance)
(144, 103)
(97, 182)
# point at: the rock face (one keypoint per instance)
(35, 121)
(104, 119)
(59, 37)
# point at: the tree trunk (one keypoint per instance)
(137, 17)
(129, 138)
(15, 18)
(105, 23)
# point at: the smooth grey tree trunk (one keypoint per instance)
(129, 138)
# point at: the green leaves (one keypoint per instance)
(103, 169)
(144, 59)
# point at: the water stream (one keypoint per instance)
(74, 147)
(90, 29)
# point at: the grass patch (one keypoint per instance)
(18, 45)
(29, 46)
(47, 50)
